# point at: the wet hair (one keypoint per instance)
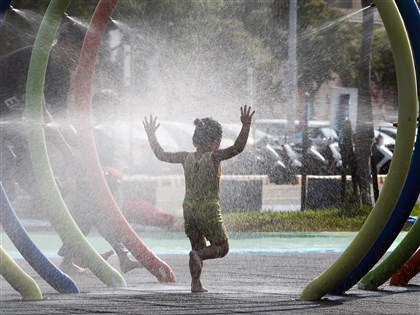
(207, 131)
(73, 32)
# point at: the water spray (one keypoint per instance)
(121, 25)
(59, 215)
(83, 97)
(17, 11)
(4, 6)
(331, 24)
(378, 217)
(74, 20)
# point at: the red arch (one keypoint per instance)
(83, 107)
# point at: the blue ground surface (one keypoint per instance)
(163, 243)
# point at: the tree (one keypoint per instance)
(383, 77)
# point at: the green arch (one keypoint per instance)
(56, 207)
(407, 114)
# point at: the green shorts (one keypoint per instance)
(204, 219)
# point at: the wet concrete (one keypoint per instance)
(238, 283)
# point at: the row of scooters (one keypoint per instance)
(281, 160)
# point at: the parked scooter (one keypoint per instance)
(315, 159)
(382, 154)
(325, 140)
(271, 163)
(259, 158)
(290, 158)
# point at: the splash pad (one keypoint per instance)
(101, 179)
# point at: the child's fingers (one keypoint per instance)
(246, 112)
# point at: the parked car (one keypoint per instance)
(141, 157)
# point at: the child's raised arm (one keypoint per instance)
(240, 142)
(150, 126)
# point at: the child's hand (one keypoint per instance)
(246, 115)
(150, 125)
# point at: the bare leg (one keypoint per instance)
(72, 263)
(202, 252)
(82, 263)
(68, 267)
(196, 265)
(215, 250)
(107, 254)
(126, 264)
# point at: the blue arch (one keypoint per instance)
(411, 15)
(20, 238)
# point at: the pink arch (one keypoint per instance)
(83, 107)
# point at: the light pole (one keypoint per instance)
(292, 67)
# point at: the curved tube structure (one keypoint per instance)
(378, 276)
(411, 15)
(13, 274)
(20, 238)
(57, 210)
(407, 115)
(406, 272)
(83, 101)
(17, 278)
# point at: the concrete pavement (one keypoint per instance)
(238, 283)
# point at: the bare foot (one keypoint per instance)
(198, 287)
(126, 264)
(83, 264)
(196, 267)
(73, 270)
(107, 254)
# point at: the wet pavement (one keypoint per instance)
(237, 284)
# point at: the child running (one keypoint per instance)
(202, 170)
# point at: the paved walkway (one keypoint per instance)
(246, 284)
